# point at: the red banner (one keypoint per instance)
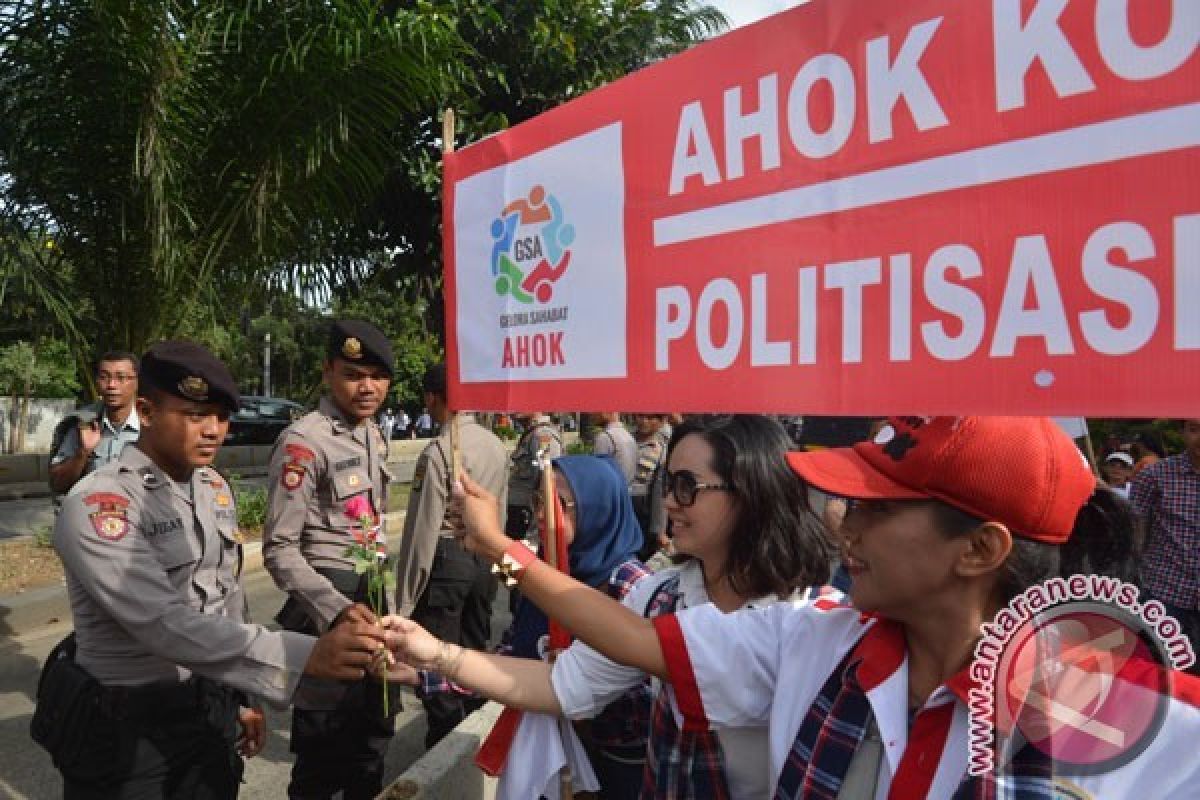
(867, 207)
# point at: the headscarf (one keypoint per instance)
(607, 535)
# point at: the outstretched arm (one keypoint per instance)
(597, 619)
(522, 683)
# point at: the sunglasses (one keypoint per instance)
(684, 487)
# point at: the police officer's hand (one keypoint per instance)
(253, 734)
(356, 613)
(481, 532)
(345, 652)
(89, 436)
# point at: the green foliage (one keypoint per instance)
(251, 504)
(1127, 430)
(190, 153)
(43, 536)
(579, 448)
(42, 370)
(505, 432)
(220, 170)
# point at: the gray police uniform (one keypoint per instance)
(525, 476)
(646, 491)
(152, 574)
(618, 442)
(318, 464)
(440, 585)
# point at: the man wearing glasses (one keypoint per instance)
(90, 437)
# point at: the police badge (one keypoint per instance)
(352, 348)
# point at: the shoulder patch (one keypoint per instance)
(292, 476)
(299, 452)
(109, 520)
(106, 499)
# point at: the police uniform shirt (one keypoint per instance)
(525, 476)
(485, 459)
(319, 463)
(618, 442)
(152, 576)
(112, 442)
(785, 655)
(647, 480)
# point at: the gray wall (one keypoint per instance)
(44, 414)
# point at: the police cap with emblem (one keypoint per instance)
(360, 342)
(187, 370)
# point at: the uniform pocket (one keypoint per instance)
(177, 550)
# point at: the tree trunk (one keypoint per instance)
(23, 418)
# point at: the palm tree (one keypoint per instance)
(180, 150)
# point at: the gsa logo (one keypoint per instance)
(531, 247)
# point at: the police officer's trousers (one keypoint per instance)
(456, 607)
(160, 744)
(343, 749)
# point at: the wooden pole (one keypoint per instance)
(550, 548)
(448, 130)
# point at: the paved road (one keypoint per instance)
(24, 517)
(27, 774)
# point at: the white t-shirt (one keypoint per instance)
(585, 681)
(766, 666)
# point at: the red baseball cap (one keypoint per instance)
(1023, 472)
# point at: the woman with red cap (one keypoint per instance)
(951, 519)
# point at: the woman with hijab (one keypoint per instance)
(744, 538)
(602, 536)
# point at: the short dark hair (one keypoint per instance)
(118, 355)
(434, 381)
(780, 545)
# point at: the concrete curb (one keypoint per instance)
(449, 770)
(25, 613)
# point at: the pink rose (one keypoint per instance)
(358, 507)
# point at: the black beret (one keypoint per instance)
(435, 380)
(360, 342)
(187, 370)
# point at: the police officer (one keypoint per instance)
(149, 702)
(525, 476)
(441, 585)
(323, 460)
(652, 436)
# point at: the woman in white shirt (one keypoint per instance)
(955, 522)
(744, 538)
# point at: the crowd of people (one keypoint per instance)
(693, 638)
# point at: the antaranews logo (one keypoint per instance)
(531, 247)
(1076, 668)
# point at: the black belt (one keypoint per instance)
(157, 700)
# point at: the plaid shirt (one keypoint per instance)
(834, 728)
(624, 723)
(679, 765)
(1167, 496)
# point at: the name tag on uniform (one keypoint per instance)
(347, 463)
(163, 527)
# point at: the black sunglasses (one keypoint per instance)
(684, 486)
